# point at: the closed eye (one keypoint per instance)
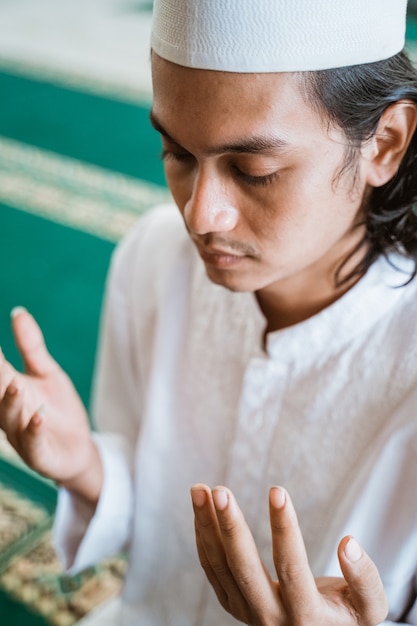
(176, 156)
(263, 181)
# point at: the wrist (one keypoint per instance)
(88, 482)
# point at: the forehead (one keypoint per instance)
(227, 105)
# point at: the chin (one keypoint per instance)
(234, 282)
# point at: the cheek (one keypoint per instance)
(274, 214)
(297, 216)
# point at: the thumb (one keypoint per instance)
(30, 342)
(366, 589)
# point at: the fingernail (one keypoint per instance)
(220, 499)
(17, 310)
(198, 497)
(353, 550)
(278, 497)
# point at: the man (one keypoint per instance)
(270, 341)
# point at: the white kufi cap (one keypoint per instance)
(277, 35)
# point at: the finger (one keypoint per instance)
(30, 342)
(29, 441)
(297, 584)
(360, 572)
(12, 409)
(7, 372)
(210, 546)
(209, 572)
(242, 556)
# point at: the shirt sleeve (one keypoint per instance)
(83, 536)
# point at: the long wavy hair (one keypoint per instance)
(354, 98)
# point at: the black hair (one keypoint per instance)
(354, 98)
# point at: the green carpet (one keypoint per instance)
(57, 273)
(112, 134)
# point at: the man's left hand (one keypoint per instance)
(246, 590)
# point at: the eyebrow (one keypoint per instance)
(254, 145)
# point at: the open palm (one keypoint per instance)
(40, 410)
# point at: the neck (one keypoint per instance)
(296, 298)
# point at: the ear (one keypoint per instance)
(387, 147)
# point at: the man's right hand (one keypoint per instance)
(43, 416)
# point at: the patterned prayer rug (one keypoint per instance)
(31, 577)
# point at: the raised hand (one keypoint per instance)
(246, 590)
(43, 416)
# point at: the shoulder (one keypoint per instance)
(397, 275)
(397, 332)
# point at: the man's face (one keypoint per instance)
(252, 169)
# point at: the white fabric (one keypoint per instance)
(277, 35)
(118, 469)
(328, 410)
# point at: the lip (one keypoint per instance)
(220, 259)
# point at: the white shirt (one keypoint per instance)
(186, 393)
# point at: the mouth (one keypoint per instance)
(219, 258)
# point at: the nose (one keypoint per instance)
(209, 209)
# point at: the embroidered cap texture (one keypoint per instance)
(277, 35)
